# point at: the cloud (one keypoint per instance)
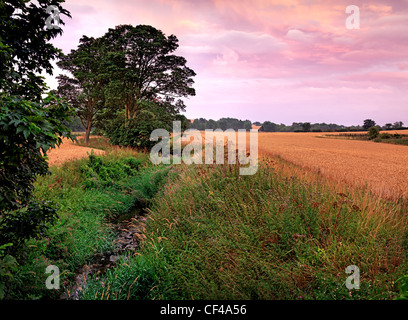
(297, 57)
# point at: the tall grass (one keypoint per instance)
(88, 193)
(213, 234)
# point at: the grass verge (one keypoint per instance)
(213, 234)
(89, 194)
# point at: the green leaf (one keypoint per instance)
(26, 133)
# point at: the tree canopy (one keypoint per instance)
(85, 91)
(25, 48)
(368, 123)
(127, 82)
(30, 123)
(140, 67)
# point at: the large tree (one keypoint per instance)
(140, 67)
(368, 123)
(25, 48)
(85, 91)
(398, 125)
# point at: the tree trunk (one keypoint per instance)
(88, 131)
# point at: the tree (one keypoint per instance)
(135, 132)
(398, 125)
(140, 67)
(268, 126)
(388, 126)
(86, 90)
(27, 131)
(25, 50)
(30, 124)
(306, 126)
(247, 125)
(368, 123)
(373, 132)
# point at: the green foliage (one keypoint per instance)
(31, 221)
(135, 132)
(83, 226)
(133, 279)
(8, 265)
(403, 286)
(268, 126)
(86, 90)
(306, 126)
(101, 172)
(213, 234)
(368, 123)
(223, 124)
(373, 133)
(140, 66)
(25, 50)
(385, 135)
(27, 131)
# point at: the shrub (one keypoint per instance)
(27, 131)
(385, 135)
(373, 133)
(135, 132)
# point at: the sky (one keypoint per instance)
(273, 60)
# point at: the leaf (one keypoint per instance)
(26, 133)
(2, 285)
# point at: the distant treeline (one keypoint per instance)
(268, 126)
(223, 124)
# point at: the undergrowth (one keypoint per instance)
(89, 194)
(213, 234)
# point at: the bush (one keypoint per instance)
(385, 135)
(27, 131)
(373, 133)
(102, 172)
(135, 132)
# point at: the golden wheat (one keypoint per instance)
(383, 168)
(69, 151)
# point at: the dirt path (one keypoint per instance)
(69, 151)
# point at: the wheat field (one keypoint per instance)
(381, 167)
(69, 151)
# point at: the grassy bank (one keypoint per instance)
(89, 194)
(284, 233)
(213, 234)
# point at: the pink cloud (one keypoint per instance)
(279, 59)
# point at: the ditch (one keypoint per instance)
(129, 228)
